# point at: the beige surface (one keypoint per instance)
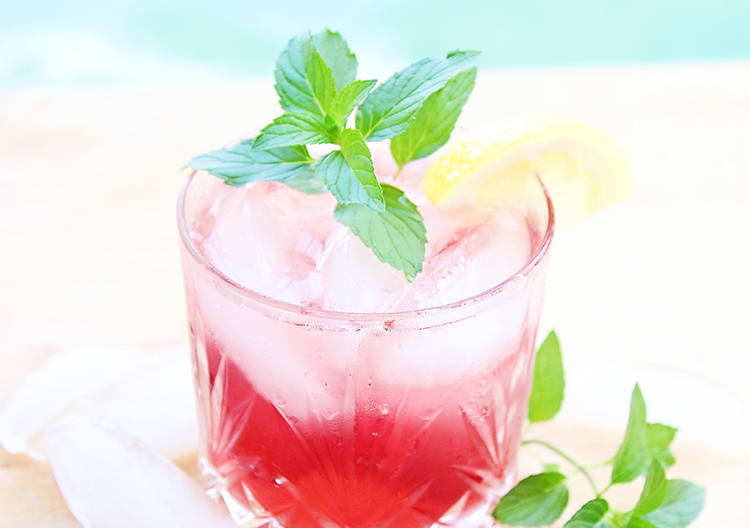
(88, 181)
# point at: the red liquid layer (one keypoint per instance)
(395, 456)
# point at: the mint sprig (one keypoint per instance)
(315, 79)
(539, 500)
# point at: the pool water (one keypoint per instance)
(90, 42)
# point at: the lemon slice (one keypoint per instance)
(583, 168)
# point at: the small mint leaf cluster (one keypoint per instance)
(539, 500)
(316, 80)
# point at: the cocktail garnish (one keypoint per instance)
(416, 108)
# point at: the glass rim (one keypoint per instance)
(384, 317)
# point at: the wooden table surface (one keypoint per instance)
(654, 288)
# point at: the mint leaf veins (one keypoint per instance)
(316, 81)
(349, 173)
(335, 53)
(304, 81)
(242, 164)
(434, 121)
(392, 105)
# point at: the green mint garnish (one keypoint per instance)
(397, 235)
(590, 515)
(540, 499)
(632, 457)
(335, 53)
(242, 164)
(293, 129)
(349, 174)
(388, 111)
(548, 383)
(347, 100)
(658, 438)
(537, 500)
(654, 491)
(304, 81)
(434, 121)
(316, 82)
(666, 503)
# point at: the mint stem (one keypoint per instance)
(575, 464)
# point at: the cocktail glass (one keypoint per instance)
(316, 419)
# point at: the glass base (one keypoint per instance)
(216, 489)
(257, 517)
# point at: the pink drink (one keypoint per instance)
(331, 392)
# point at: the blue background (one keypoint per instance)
(85, 42)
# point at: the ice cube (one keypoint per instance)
(62, 379)
(110, 480)
(289, 361)
(468, 256)
(269, 238)
(154, 402)
(246, 240)
(473, 259)
(449, 346)
(355, 280)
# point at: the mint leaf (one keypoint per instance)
(349, 173)
(666, 503)
(658, 438)
(632, 458)
(320, 79)
(315, 79)
(682, 505)
(396, 236)
(548, 383)
(303, 80)
(241, 164)
(435, 120)
(388, 110)
(591, 515)
(654, 490)
(537, 500)
(335, 52)
(293, 129)
(347, 99)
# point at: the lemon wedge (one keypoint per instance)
(582, 168)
